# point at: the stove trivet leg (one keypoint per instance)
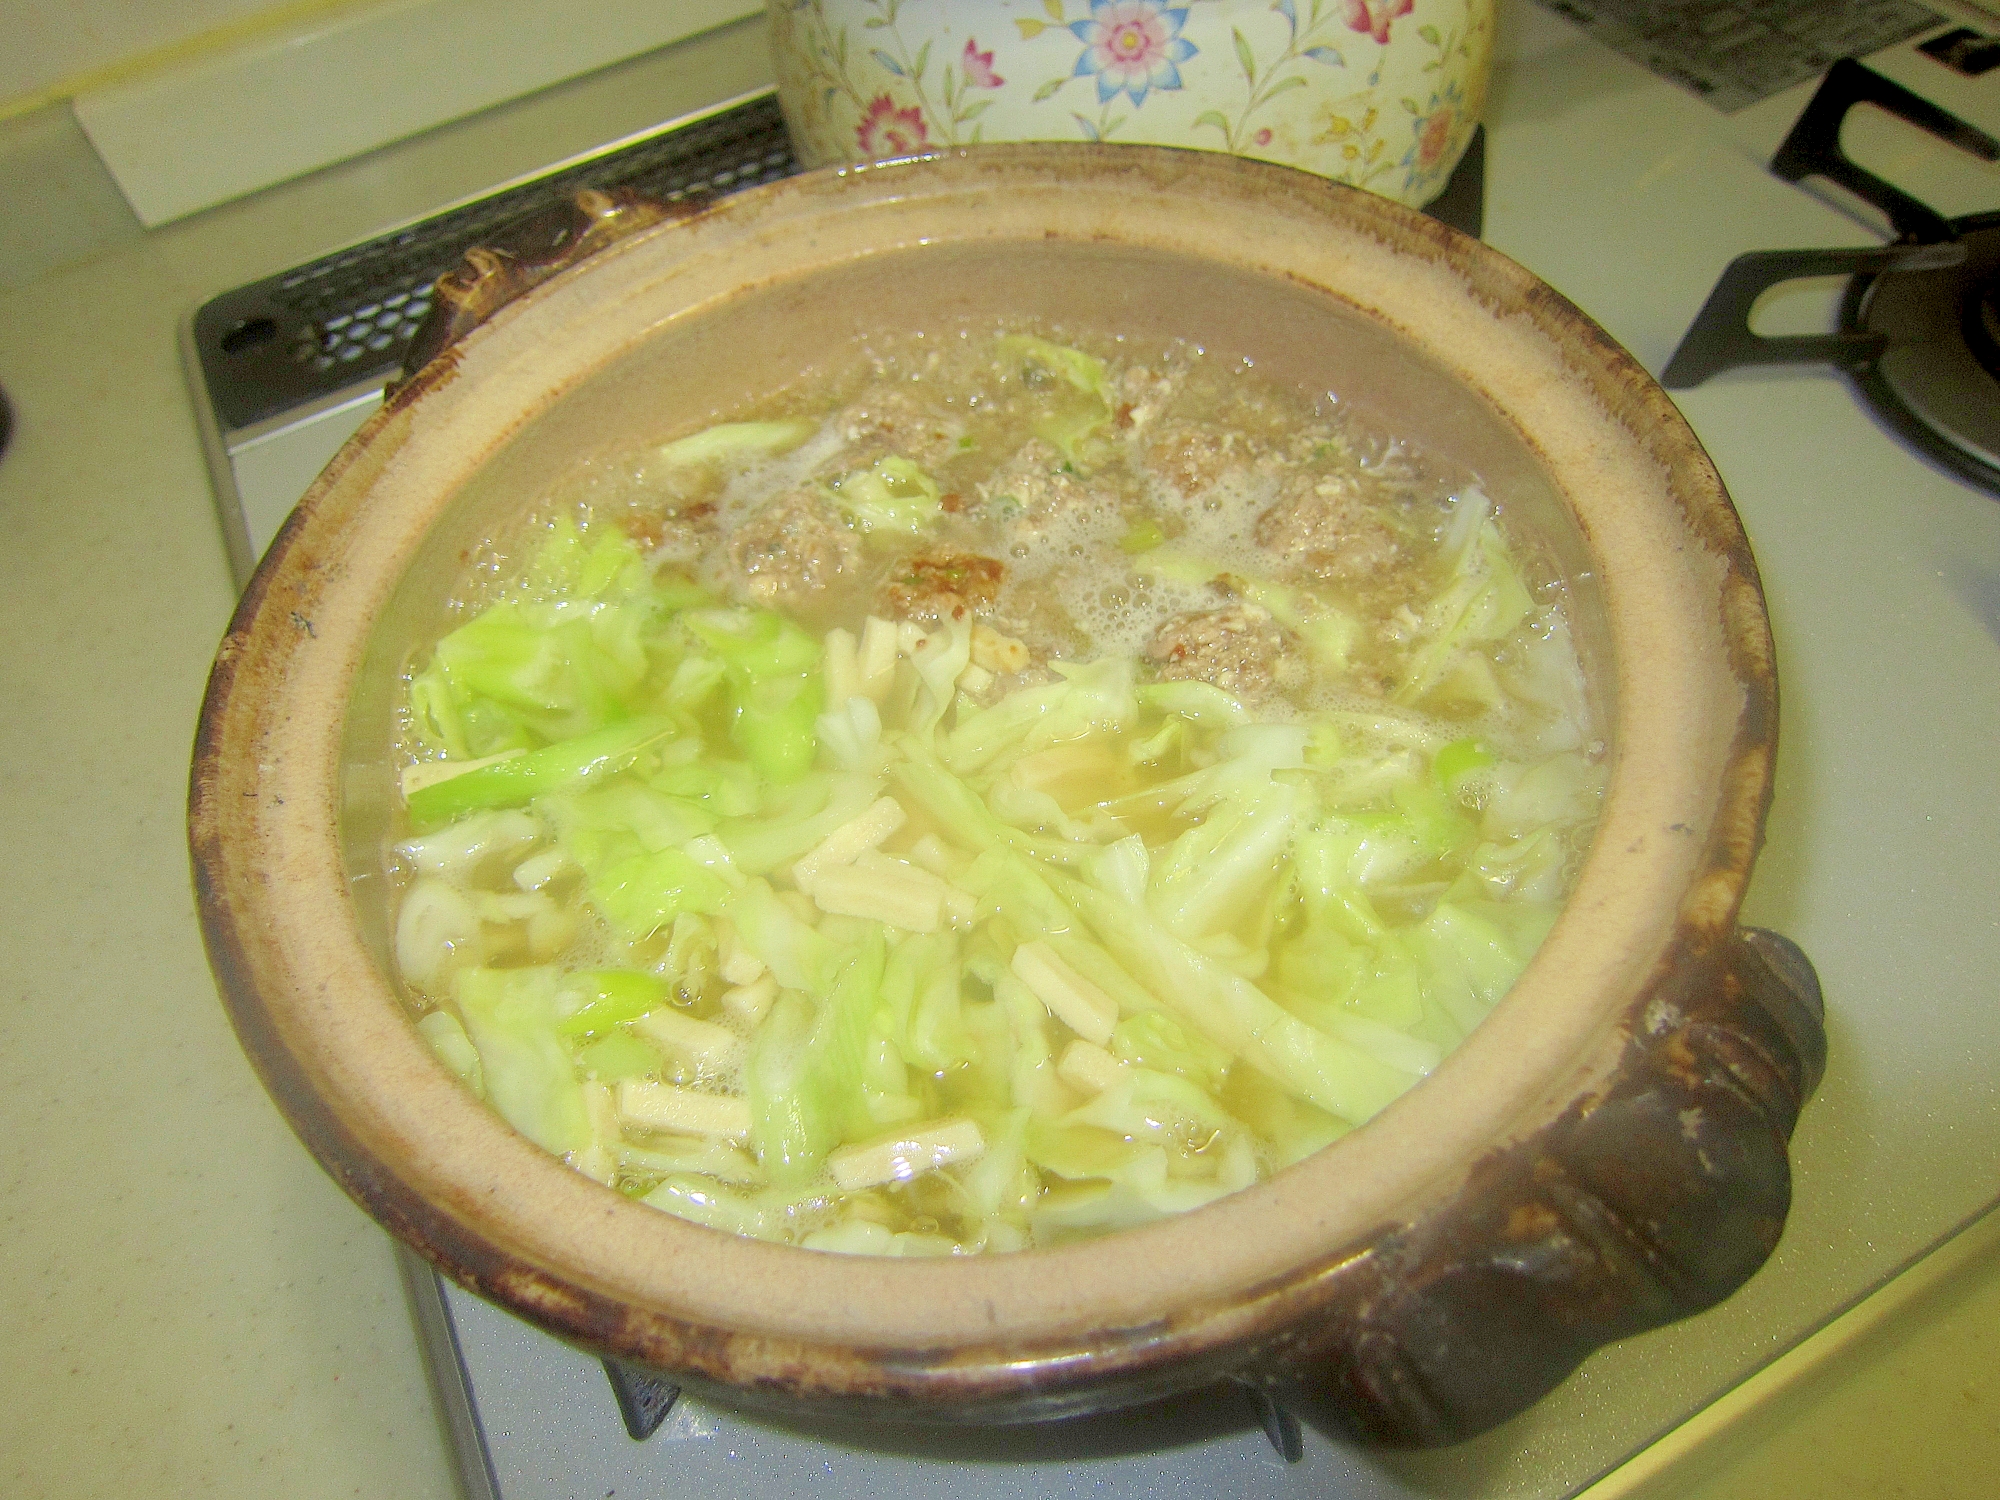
(1813, 148)
(643, 1400)
(1280, 1426)
(1720, 338)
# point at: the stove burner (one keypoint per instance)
(1982, 325)
(1937, 363)
(1919, 332)
(645, 1399)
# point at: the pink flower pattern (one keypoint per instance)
(978, 65)
(1374, 16)
(1433, 137)
(888, 131)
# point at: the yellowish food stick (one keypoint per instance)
(599, 1159)
(1071, 998)
(661, 1106)
(876, 660)
(959, 904)
(866, 830)
(906, 1154)
(737, 963)
(908, 898)
(841, 667)
(750, 1002)
(703, 1042)
(1087, 1066)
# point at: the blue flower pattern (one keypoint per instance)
(1131, 47)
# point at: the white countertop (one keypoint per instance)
(195, 1308)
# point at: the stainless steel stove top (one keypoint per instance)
(548, 1427)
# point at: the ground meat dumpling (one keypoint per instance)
(678, 534)
(1142, 396)
(1239, 649)
(1323, 526)
(793, 547)
(1195, 457)
(1035, 491)
(929, 588)
(895, 420)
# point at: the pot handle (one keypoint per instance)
(524, 255)
(1647, 1203)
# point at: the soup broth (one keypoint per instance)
(1010, 788)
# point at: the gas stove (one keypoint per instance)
(1630, 193)
(1919, 321)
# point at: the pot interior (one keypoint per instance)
(695, 368)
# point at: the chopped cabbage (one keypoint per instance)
(1115, 945)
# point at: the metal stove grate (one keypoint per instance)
(1912, 334)
(290, 340)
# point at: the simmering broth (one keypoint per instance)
(1007, 789)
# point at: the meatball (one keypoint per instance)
(1239, 649)
(680, 534)
(1142, 396)
(794, 546)
(1322, 526)
(933, 588)
(1034, 491)
(892, 419)
(1195, 457)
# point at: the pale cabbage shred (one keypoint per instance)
(867, 982)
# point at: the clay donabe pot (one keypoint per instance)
(1605, 1153)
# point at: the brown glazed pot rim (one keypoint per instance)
(1044, 1331)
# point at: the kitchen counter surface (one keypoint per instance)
(195, 1308)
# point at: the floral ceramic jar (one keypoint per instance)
(1382, 94)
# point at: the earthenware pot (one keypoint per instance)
(1381, 94)
(1605, 1153)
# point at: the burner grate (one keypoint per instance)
(1913, 334)
(305, 335)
